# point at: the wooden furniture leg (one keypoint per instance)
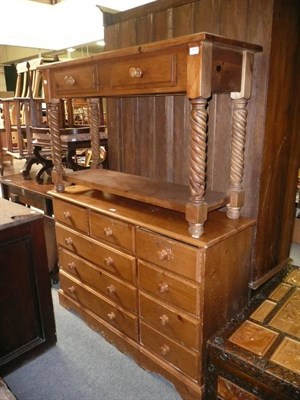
(94, 112)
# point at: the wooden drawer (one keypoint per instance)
(103, 282)
(181, 358)
(178, 292)
(178, 326)
(103, 308)
(112, 260)
(71, 215)
(143, 72)
(112, 231)
(170, 254)
(81, 79)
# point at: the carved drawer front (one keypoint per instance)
(170, 254)
(229, 391)
(176, 325)
(120, 264)
(169, 288)
(76, 80)
(143, 72)
(112, 231)
(103, 308)
(180, 357)
(71, 215)
(105, 283)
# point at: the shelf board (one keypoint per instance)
(163, 194)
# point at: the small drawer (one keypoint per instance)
(181, 358)
(120, 292)
(119, 264)
(115, 232)
(177, 326)
(170, 254)
(81, 79)
(87, 298)
(71, 215)
(143, 72)
(175, 291)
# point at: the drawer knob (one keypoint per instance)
(165, 349)
(109, 261)
(67, 214)
(163, 287)
(111, 316)
(135, 72)
(163, 319)
(72, 266)
(71, 289)
(68, 240)
(111, 289)
(165, 254)
(108, 231)
(70, 80)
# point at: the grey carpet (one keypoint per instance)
(83, 366)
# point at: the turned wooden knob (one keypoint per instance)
(108, 231)
(165, 254)
(163, 287)
(68, 240)
(135, 72)
(109, 261)
(71, 289)
(71, 266)
(70, 80)
(67, 214)
(111, 289)
(163, 319)
(165, 349)
(111, 316)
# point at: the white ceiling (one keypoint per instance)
(69, 23)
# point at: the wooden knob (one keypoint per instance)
(111, 289)
(109, 261)
(165, 349)
(71, 289)
(163, 319)
(67, 214)
(111, 316)
(108, 231)
(163, 287)
(135, 72)
(165, 254)
(68, 240)
(72, 266)
(70, 80)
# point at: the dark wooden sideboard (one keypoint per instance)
(26, 309)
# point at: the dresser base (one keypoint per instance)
(188, 389)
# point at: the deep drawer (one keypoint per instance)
(112, 231)
(175, 291)
(120, 292)
(177, 326)
(112, 260)
(119, 318)
(170, 254)
(71, 215)
(185, 360)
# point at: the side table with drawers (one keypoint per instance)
(132, 271)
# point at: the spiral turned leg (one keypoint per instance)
(94, 111)
(236, 192)
(57, 172)
(196, 208)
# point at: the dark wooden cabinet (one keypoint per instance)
(26, 312)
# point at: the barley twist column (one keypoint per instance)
(196, 209)
(56, 150)
(94, 105)
(236, 192)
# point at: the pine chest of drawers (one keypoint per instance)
(133, 273)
